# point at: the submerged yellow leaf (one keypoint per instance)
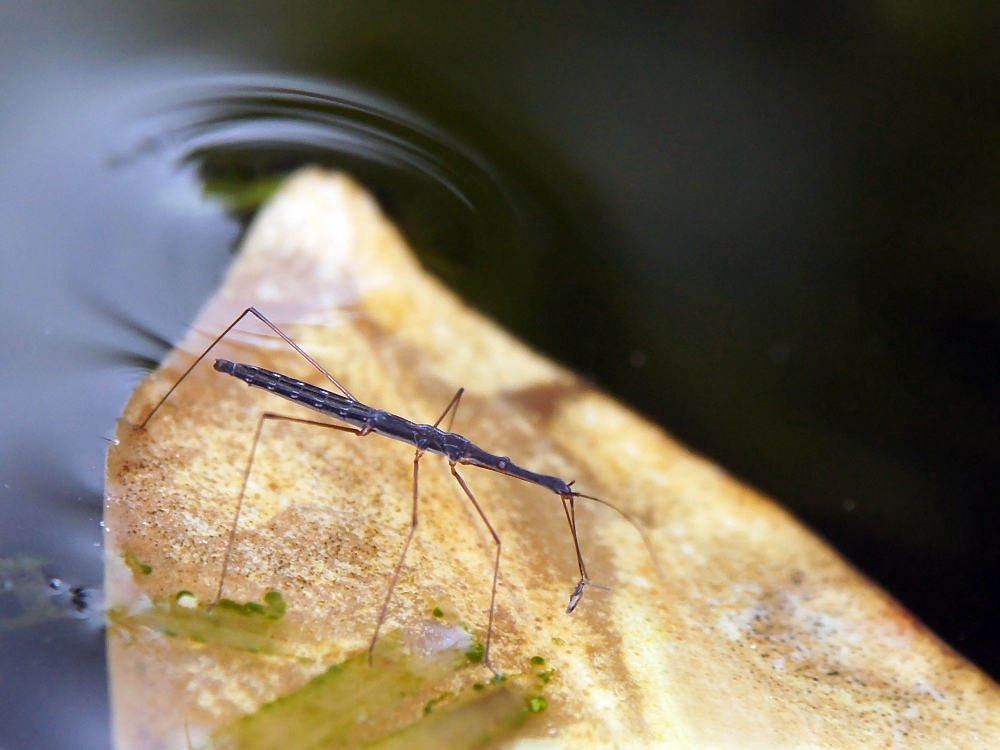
(755, 635)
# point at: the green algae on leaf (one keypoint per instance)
(435, 701)
(136, 566)
(476, 653)
(545, 675)
(537, 704)
(273, 607)
(248, 627)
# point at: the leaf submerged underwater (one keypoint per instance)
(756, 635)
(398, 702)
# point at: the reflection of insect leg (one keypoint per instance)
(453, 405)
(246, 477)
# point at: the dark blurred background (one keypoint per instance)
(770, 226)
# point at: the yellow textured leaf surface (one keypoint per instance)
(756, 634)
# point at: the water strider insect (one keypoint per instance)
(362, 420)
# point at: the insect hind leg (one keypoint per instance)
(402, 558)
(264, 419)
(496, 564)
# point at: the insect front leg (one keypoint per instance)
(284, 337)
(569, 507)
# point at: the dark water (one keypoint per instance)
(772, 227)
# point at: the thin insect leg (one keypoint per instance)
(576, 540)
(249, 311)
(246, 478)
(496, 566)
(402, 557)
(636, 525)
(296, 347)
(569, 507)
(452, 405)
(454, 413)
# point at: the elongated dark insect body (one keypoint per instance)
(424, 437)
(360, 419)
